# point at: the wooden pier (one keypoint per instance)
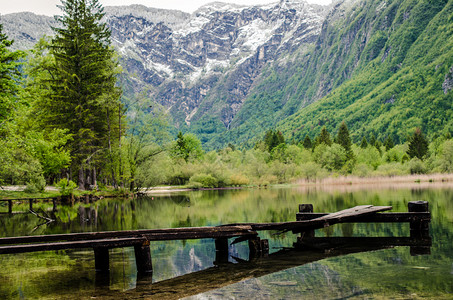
(30, 202)
(306, 223)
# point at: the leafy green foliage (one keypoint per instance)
(187, 147)
(66, 187)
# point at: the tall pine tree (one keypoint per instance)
(418, 145)
(323, 138)
(9, 76)
(84, 97)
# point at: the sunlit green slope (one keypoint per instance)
(405, 86)
(384, 67)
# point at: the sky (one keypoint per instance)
(48, 7)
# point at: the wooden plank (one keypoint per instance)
(150, 234)
(323, 221)
(107, 243)
(374, 218)
(353, 212)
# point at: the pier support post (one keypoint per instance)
(265, 248)
(258, 248)
(30, 204)
(143, 258)
(54, 204)
(10, 206)
(221, 250)
(101, 259)
(306, 208)
(419, 229)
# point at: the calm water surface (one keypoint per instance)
(187, 269)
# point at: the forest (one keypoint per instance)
(64, 121)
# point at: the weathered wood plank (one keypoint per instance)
(353, 212)
(106, 243)
(320, 222)
(403, 217)
(150, 234)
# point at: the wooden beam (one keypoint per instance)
(403, 217)
(150, 234)
(106, 243)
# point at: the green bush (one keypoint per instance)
(417, 166)
(36, 184)
(203, 180)
(239, 179)
(66, 187)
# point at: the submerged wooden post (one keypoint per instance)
(143, 258)
(101, 259)
(221, 250)
(419, 229)
(265, 248)
(254, 247)
(31, 204)
(10, 206)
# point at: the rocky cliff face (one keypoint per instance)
(208, 63)
(197, 65)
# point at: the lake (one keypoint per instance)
(187, 269)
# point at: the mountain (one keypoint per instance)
(202, 66)
(228, 72)
(388, 66)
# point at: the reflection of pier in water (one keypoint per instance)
(309, 247)
(225, 273)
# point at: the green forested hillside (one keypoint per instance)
(405, 86)
(382, 67)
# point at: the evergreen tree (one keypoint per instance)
(9, 76)
(418, 145)
(388, 143)
(373, 140)
(364, 143)
(344, 140)
(323, 138)
(273, 138)
(307, 142)
(187, 146)
(84, 98)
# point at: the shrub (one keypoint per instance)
(362, 170)
(239, 179)
(205, 180)
(391, 169)
(36, 184)
(416, 166)
(66, 187)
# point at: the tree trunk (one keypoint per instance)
(81, 179)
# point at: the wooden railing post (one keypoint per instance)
(101, 259)
(306, 208)
(143, 258)
(419, 229)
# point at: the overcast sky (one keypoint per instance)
(48, 7)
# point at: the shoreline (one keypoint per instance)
(339, 183)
